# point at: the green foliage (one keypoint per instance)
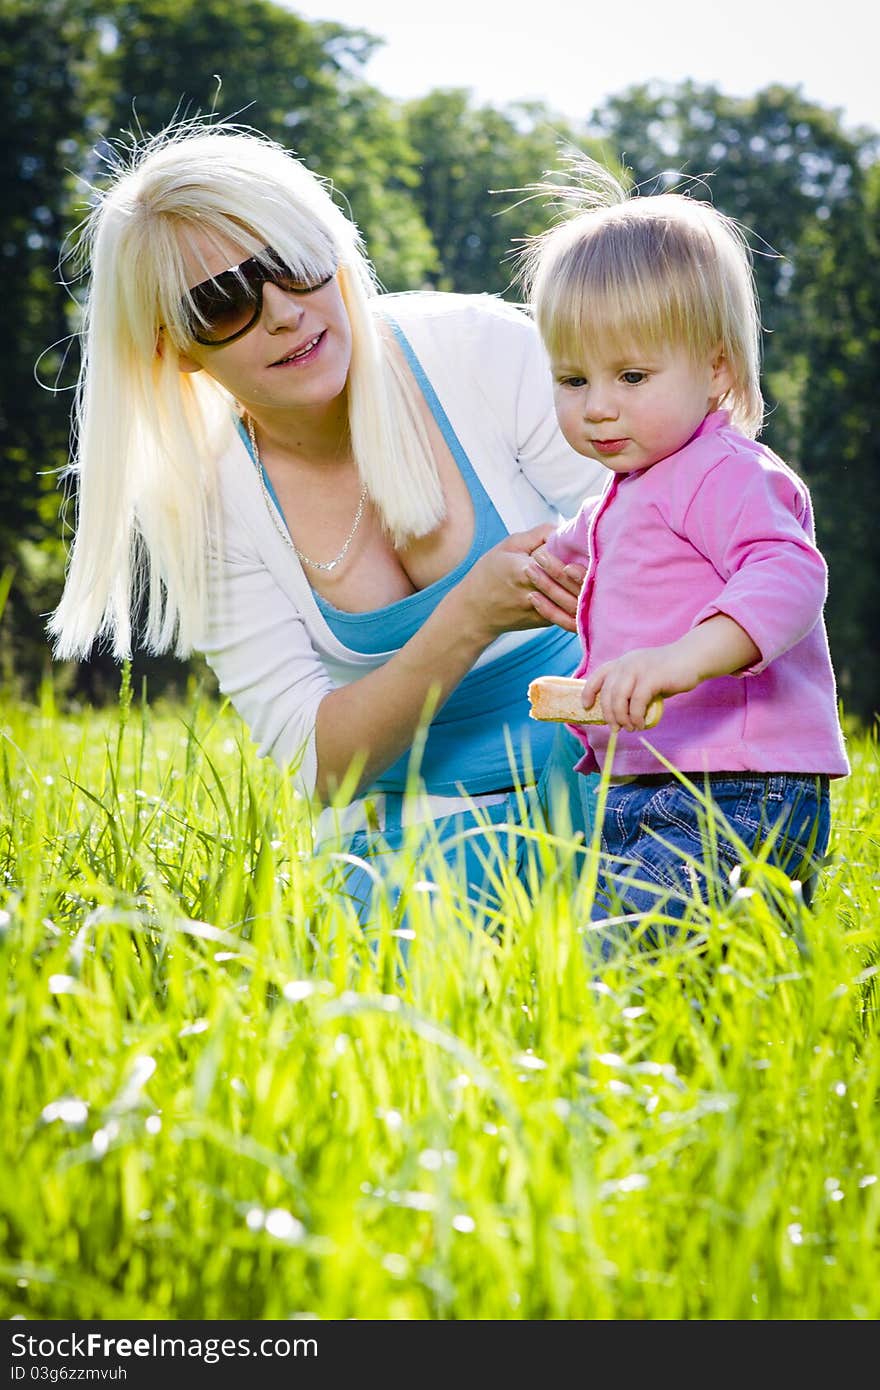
(43, 113)
(296, 81)
(222, 1098)
(840, 436)
(474, 163)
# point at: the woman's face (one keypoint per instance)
(298, 353)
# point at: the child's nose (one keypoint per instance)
(599, 404)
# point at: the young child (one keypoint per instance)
(704, 584)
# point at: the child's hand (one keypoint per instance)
(629, 684)
(716, 647)
(557, 587)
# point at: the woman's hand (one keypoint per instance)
(518, 584)
(376, 717)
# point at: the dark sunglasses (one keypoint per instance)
(229, 304)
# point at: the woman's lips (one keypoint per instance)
(306, 353)
(609, 446)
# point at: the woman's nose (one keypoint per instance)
(280, 308)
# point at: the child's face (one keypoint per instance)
(630, 412)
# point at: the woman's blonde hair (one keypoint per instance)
(628, 270)
(147, 436)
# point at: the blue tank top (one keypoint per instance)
(483, 739)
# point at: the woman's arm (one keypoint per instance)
(260, 648)
(374, 720)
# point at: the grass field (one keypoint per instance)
(222, 1099)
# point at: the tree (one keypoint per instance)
(296, 81)
(470, 158)
(840, 429)
(43, 105)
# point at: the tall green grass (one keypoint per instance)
(223, 1098)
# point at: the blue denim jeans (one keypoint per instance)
(476, 847)
(663, 849)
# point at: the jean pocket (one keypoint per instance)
(804, 821)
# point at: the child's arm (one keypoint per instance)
(752, 520)
(716, 647)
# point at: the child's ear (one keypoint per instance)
(722, 376)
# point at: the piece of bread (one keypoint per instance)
(559, 697)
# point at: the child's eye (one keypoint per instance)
(573, 381)
(633, 378)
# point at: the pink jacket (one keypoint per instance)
(721, 526)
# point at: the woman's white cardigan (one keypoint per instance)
(272, 652)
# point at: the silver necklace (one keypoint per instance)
(325, 565)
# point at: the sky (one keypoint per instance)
(574, 53)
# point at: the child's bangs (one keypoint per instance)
(579, 310)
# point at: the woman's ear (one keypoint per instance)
(184, 363)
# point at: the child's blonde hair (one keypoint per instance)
(628, 271)
(148, 436)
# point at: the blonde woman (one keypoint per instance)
(333, 493)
